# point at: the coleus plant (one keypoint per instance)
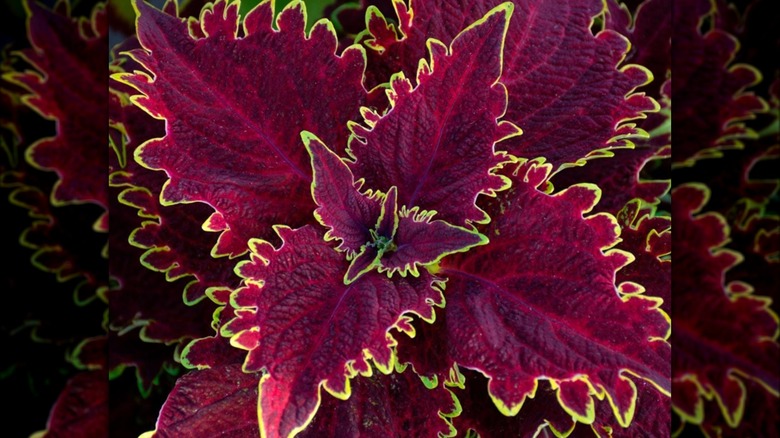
(447, 216)
(353, 226)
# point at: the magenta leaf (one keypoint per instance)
(308, 330)
(649, 29)
(144, 307)
(569, 90)
(215, 350)
(539, 413)
(724, 335)
(69, 87)
(653, 415)
(81, 409)
(171, 235)
(756, 235)
(221, 401)
(760, 419)
(710, 93)
(435, 144)
(423, 241)
(539, 302)
(169, 320)
(342, 208)
(393, 405)
(387, 224)
(367, 260)
(241, 152)
(649, 238)
(387, 239)
(67, 212)
(150, 360)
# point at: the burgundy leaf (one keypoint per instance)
(435, 143)
(568, 89)
(143, 297)
(309, 330)
(232, 140)
(348, 214)
(620, 177)
(214, 351)
(752, 23)
(393, 405)
(81, 409)
(756, 235)
(649, 29)
(171, 235)
(69, 87)
(350, 16)
(148, 321)
(649, 238)
(543, 412)
(215, 402)
(372, 230)
(387, 224)
(709, 91)
(760, 419)
(90, 353)
(747, 173)
(723, 334)
(366, 261)
(127, 349)
(175, 244)
(539, 302)
(423, 241)
(63, 237)
(653, 415)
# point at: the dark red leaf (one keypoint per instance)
(171, 235)
(372, 230)
(81, 409)
(174, 244)
(366, 261)
(221, 401)
(435, 143)
(709, 91)
(738, 176)
(348, 214)
(649, 238)
(69, 87)
(309, 330)
(541, 413)
(755, 233)
(653, 416)
(393, 405)
(241, 152)
(723, 333)
(568, 89)
(143, 297)
(420, 240)
(214, 351)
(540, 302)
(649, 29)
(128, 350)
(620, 177)
(760, 419)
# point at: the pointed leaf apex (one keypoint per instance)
(387, 224)
(309, 137)
(400, 86)
(501, 13)
(364, 262)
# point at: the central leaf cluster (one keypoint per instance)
(381, 243)
(374, 232)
